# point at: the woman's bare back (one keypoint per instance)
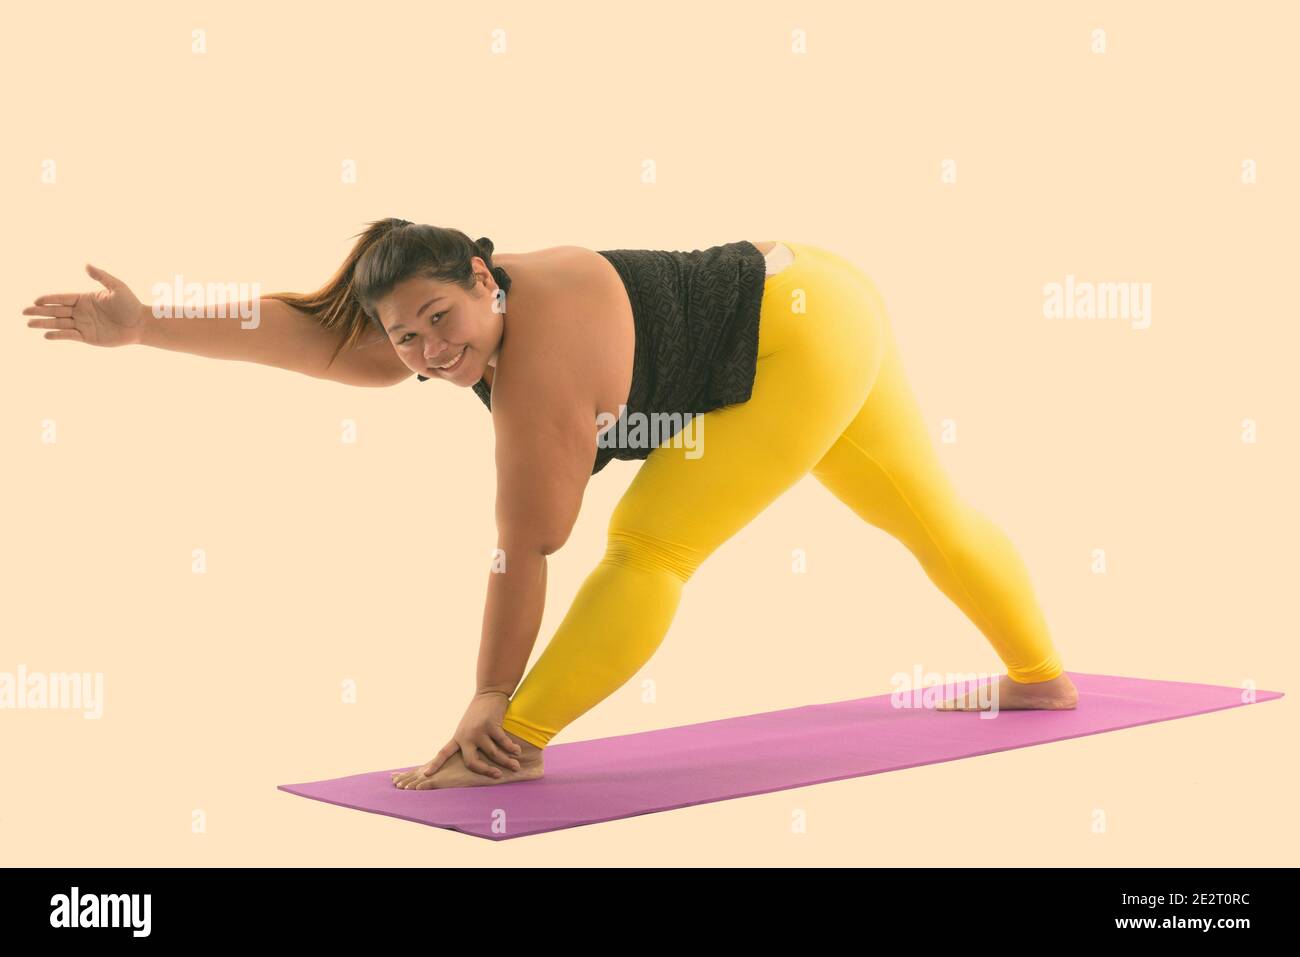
(589, 306)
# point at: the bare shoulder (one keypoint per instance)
(563, 325)
(555, 271)
(559, 294)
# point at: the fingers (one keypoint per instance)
(57, 299)
(492, 748)
(507, 742)
(60, 319)
(57, 323)
(420, 778)
(57, 310)
(447, 751)
(106, 280)
(48, 308)
(469, 752)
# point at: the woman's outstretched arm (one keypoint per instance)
(273, 333)
(284, 337)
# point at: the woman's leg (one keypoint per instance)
(885, 468)
(819, 349)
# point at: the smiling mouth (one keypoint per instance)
(453, 364)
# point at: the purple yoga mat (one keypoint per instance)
(609, 778)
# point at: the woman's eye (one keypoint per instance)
(434, 318)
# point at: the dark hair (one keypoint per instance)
(388, 252)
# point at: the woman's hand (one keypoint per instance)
(480, 733)
(111, 316)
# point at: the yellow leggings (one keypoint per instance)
(829, 398)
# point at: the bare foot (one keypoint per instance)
(454, 774)
(1059, 694)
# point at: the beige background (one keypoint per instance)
(1074, 435)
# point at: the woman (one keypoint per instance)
(788, 370)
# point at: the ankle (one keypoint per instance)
(527, 750)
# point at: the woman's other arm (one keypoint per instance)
(265, 331)
(545, 446)
(280, 336)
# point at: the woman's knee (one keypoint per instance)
(637, 549)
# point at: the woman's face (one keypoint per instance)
(432, 324)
